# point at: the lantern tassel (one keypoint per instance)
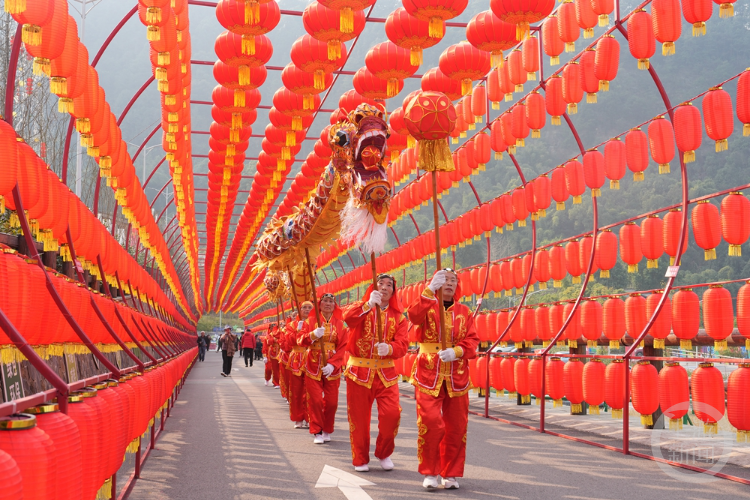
(570, 46)
(742, 436)
(153, 15)
(699, 29)
(554, 60)
(522, 31)
(638, 176)
(557, 403)
(415, 56)
(658, 343)
(41, 66)
(435, 156)
(710, 427)
(720, 344)
(236, 120)
(509, 97)
(647, 420)
(163, 59)
(572, 108)
(735, 250)
(346, 20)
(239, 98)
(614, 344)
(560, 205)
(496, 58)
(643, 64)
(686, 344)
(392, 88)
(590, 97)
(58, 85)
(15, 6)
(746, 130)
(596, 192)
(675, 424)
(153, 33)
(296, 123)
(531, 76)
(248, 45)
(652, 264)
(436, 28)
(723, 144)
(244, 75)
(555, 120)
(709, 254)
(495, 105)
(252, 12)
(588, 33)
(664, 168)
(604, 85)
(577, 200)
(632, 268)
(557, 283)
(319, 79)
(726, 10)
(616, 412)
(667, 49)
(603, 20)
(308, 101)
(65, 105)
(466, 87)
(31, 35)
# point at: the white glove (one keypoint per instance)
(265, 360)
(447, 355)
(438, 280)
(374, 299)
(318, 332)
(327, 370)
(299, 325)
(383, 349)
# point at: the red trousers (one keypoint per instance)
(272, 368)
(359, 401)
(442, 423)
(322, 402)
(284, 375)
(297, 398)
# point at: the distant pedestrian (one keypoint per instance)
(248, 347)
(203, 343)
(228, 344)
(258, 347)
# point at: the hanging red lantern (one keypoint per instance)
(706, 227)
(717, 114)
(593, 171)
(542, 194)
(652, 240)
(574, 180)
(593, 384)
(554, 101)
(686, 317)
(614, 162)
(489, 33)
(33, 452)
(607, 61)
(556, 320)
(738, 400)
(641, 37)
(521, 379)
(409, 33)
(606, 252)
(573, 382)
(567, 26)
(592, 317)
(661, 142)
(707, 390)
(697, 12)
(234, 16)
(479, 102)
(434, 80)
(630, 246)
(735, 221)
(555, 380)
(589, 81)
(506, 129)
(614, 386)
(674, 394)
(390, 62)
(636, 153)
(530, 57)
(662, 324)
(718, 316)
(551, 41)
(496, 140)
(541, 268)
(635, 314)
(519, 127)
(521, 13)
(12, 480)
(324, 24)
(743, 101)
(667, 24)
(507, 367)
(573, 331)
(496, 375)
(372, 87)
(436, 12)
(535, 378)
(464, 62)
(572, 260)
(542, 325)
(311, 55)
(586, 17)
(644, 387)
(515, 70)
(688, 130)
(557, 266)
(613, 321)
(559, 187)
(572, 92)
(536, 116)
(672, 231)
(482, 149)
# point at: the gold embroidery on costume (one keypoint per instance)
(430, 361)
(421, 430)
(460, 367)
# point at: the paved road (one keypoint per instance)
(232, 439)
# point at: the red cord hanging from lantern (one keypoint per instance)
(667, 24)
(735, 221)
(717, 114)
(674, 394)
(707, 390)
(641, 37)
(706, 227)
(718, 317)
(661, 143)
(686, 316)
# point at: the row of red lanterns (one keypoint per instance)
(50, 454)
(53, 210)
(51, 36)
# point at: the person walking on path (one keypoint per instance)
(227, 342)
(297, 361)
(322, 382)
(370, 371)
(248, 347)
(258, 347)
(441, 379)
(202, 346)
(271, 355)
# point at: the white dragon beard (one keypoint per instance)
(358, 226)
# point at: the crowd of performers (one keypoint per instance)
(306, 361)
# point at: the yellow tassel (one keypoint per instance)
(614, 344)
(577, 200)
(699, 29)
(573, 344)
(466, 86)
(557, 283)
(638, 176)
(153, 33)
(163, 59)
(522, 31)
(308, 101)
(616, 413)
(436, 28)
(643, 64)
(244, 76)
(632, 268)
(557, 403)
(519, 87)
(675, 424)
(560, 205)
(576, 408)
(709, 254)
(576, 280)
(509, 97)
(319, 79)
(65, 105)
(603, 20)
(542, 212)
(735, 250)
(554, 60)
(252, 12)
(667, 49)
(686, 344)
(664, 168)
(658, 343)
(604, 85)
(462, 135)
(346, 20)
(720, 344)
(647, 420)
(248, 45)
(572, 108)
(746, 130)
(590, 98)
(531, 76)
(415, 56)
(522, 223)
(710, 428)
(239, 98)
(723, 144)
(162, 86)
(742, 436)
(555, 120)
(570, 46)
(495, 105)
(726, 10)
(15, 6)
(596, 192)
(31, 35)
(153, 15)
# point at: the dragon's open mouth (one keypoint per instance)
(372, 137)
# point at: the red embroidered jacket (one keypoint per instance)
(334, 341)
(363, 337)
(296, 352)
(429, 371)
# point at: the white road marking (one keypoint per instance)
(349, 484)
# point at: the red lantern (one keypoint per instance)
(515, 70)
(707, 390)
(311, 55)
(641, 37)
(392, 63)
(686, 316)
(706, 227)
(521, 379)
(567, 26)
(436, 12)
(573, 331)
(33, 453)
(636, 152)
(555, 380)
(479, 103)
(572, 260)
(482, 149)
(738, 401)
(593, 384)
(536, 116)
(614, 162)
(674, 394)
(557, 267)
(521, 13)
(535, 378)
(672, 230)
(613, 321)
(572, 92)
(530, 57)
(464, 62)
(606, 252)
(559, 187)
(614, 386)
(496, 376)
(553, 100)
(652, 240)
(519, 127)
(507, 367)
(607, 61)
(586, 17)
(542, 324)
(697, 12)
(589, 81)
(661, 142)
(635, 314)
(717, 114)
(487, 32)
(630, 246)
(551, 41)
(410, 33)
(573, 381)
(542, 194)
(574, 180)
(592, 321)
(603, 8)
(667, 24)
(644, 387)
(735, 221)
(434, 80)
(585, 247)
(718, 317)
(662, 325)
(593, 171)
(743, 101)
(688, 130)
(324, 24)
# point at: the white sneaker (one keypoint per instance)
(298, 425)
(266, 383)
(430, 482)
(306, 424)
(386, 463)
(326, 437)
(450, 483)
(276, 387)
(318, 439)
(362, 468)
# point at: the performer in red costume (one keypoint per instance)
(441, 377)
(297, 360)
(271, 354)
(370, 372)
(284, 349)
(322, 383)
